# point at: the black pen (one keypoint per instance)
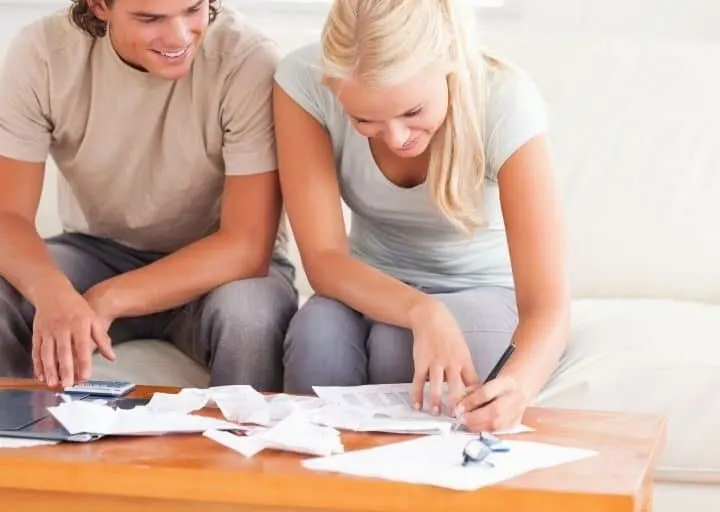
(499, 366)
(492, 375)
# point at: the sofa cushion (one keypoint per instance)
(634, 135)
(151, 362)
(649, 356)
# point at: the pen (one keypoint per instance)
(499, 365)
(492, 375)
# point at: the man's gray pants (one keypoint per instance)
(236, 330)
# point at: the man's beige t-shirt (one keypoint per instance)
(142, 159)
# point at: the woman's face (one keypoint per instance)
(405, 117)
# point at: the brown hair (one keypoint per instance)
(84, 18)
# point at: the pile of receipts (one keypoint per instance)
(254, 422)
(308, 425)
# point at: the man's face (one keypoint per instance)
(161, 37)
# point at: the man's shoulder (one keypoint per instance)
(232, 42)
(51, 37)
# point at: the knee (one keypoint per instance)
(8, 294)
(12, 303)
(391, 354)
(257, 309)
(324, 346)
(321, 322)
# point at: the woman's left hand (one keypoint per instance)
(495, 406)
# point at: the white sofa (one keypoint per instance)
(634, 135)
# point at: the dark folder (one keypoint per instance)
(24, 413)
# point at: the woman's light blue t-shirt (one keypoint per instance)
(399, 230)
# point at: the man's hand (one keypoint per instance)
(66, 331)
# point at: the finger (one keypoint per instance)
(484, 394)
(418, 388)
(83, 346)
(49, 362)
(36, 358)
(456, 387)
(486, 419)
(437, 379)
(64, 351)
(469, 376)
(102, 341)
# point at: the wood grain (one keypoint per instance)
(189, 472)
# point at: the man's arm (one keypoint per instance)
(240, 249)
(65, 329)
(250, 208)
(24, 259)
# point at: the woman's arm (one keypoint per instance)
(535, 232)
(533, 221)
(311, 193)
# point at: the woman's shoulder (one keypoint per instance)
(301, 64)
(299, 74)
(509, 88)
(515, 111)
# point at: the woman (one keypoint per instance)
(456, 247)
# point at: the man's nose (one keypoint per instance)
(180, 34)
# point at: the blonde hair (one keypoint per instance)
(385, 42)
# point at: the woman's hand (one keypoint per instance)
(439, 354)
(492, 407)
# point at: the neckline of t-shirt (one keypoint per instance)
(380, 175)
(127, 69)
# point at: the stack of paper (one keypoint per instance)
(97, 418)
(383, 408)
(438, 461)
(16, 442)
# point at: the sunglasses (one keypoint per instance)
(479, 449)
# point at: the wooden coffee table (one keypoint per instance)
(192, 473)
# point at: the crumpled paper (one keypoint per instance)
(293, 434)
(237, 403)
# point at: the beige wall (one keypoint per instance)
(667, 19)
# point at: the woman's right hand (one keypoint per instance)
(440, 354)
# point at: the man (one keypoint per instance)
(158, 114)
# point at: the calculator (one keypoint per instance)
(111, 388)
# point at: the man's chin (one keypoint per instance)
(170, 72)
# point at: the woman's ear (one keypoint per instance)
(99, 8)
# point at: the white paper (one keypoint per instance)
(96, 418)
(237, 403)
(376, 397)
(294, 434)
(437, 461)
(13, 442)
(384, 408)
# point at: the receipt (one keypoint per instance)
(237, 403)
(293, 434)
